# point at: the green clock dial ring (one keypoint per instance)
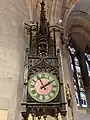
(43, 87)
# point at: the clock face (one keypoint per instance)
(43, 87)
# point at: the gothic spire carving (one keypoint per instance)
(42, 36)
(43, 33)
(43, 20)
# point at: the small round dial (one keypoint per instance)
(43, 87)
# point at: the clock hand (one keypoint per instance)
(41, 81)
(46, 84)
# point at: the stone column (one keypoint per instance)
(12, 51)
(81, 57)
(68, 79)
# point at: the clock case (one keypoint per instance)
(41, 56)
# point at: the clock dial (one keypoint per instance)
(43, 87)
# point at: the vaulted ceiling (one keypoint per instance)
(53, 9)
(78, 25)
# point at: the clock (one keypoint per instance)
(43, 87)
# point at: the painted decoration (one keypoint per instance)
(43, 87)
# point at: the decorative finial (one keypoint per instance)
(42, 4)
(42, 19)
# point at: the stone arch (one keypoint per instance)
(78, 24)
(78, 28)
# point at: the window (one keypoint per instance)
(87, 56)
(77, 78)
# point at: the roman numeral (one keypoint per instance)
(33, 91)
(32, 86)
(33, 80)
(54, 83)
(32, 83)
(47, 97)
(48, 77)
(53, 91)
(54, 86)
(43, 97)
(38, 77)
(38, 96)
(43, 76)
(51, 95)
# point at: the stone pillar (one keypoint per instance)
(81, 57)
(12, 51)
(68, 79)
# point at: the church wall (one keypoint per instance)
(67, 80)
(12, 51)
(78, 28)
